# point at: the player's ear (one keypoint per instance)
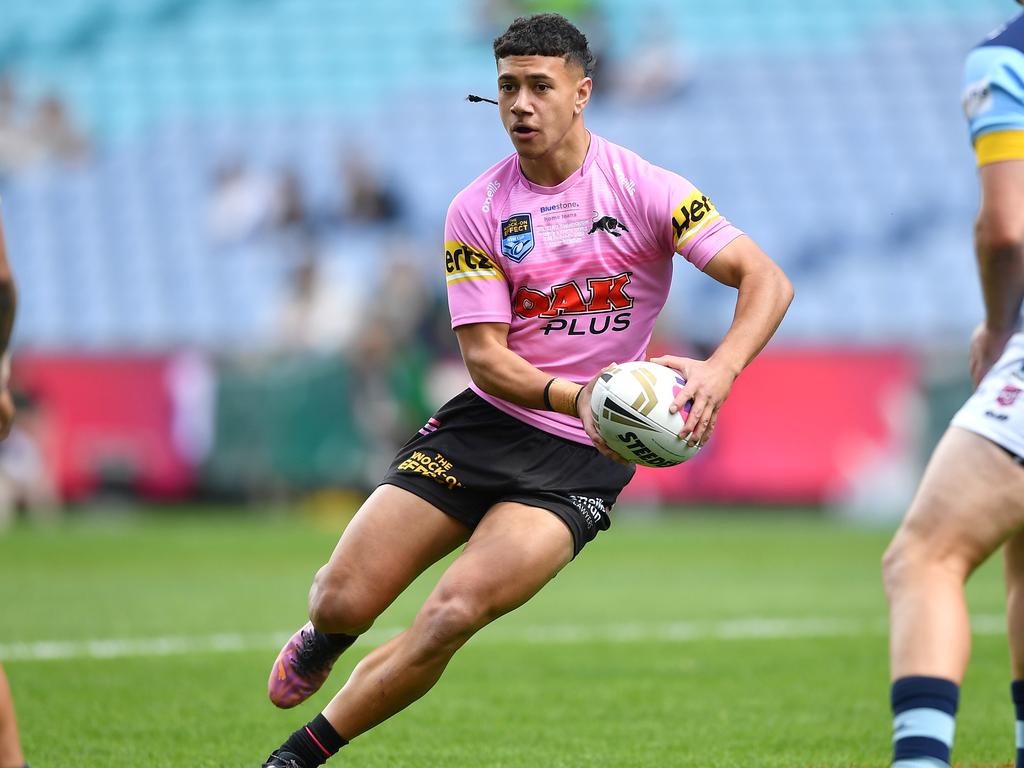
(583, 91)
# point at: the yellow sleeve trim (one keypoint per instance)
(464, 262)
(999, 145)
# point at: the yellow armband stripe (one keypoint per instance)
(464, 262)
(999, 145)
(691, 216)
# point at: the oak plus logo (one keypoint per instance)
(565, 306)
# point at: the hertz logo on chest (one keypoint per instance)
(517, 236)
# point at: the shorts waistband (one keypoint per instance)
(1015, 456)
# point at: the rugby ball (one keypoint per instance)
(630, 405)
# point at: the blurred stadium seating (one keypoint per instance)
(830, 133)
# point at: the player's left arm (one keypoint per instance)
(764, 293)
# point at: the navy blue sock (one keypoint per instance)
(924, 720)
(314, 742)
(1017, 692)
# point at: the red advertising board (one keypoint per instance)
(108, 418)
(799, 426)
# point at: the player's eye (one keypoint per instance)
(543, 87)
(506, 88)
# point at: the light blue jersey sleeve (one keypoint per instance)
(993, 95)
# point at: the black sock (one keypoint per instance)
(340, 642)
(314, 742)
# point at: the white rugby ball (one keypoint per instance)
(630, 405)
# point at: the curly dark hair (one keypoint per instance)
(545, 34)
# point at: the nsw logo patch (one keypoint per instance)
(517, 236)
(1008, 395)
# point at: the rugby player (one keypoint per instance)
(971, 497)
(558, 260)
(10, 747)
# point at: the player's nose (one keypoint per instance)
(522, 104)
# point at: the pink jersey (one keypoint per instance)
(579, 271)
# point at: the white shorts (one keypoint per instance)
(996, 409)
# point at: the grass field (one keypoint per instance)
(724, 639)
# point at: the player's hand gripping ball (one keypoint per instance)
(630, 404)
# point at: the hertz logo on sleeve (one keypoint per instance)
(463, 262)
(691, 216)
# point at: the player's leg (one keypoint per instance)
(392, 539)
(1013, 568)
(971, 499)
(10, 748)
(514, 552)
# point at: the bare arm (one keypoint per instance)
(999, 247)
(8, 304)
(499, 371)
(764, 293)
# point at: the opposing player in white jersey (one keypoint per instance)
(557, 260)
(971, 498)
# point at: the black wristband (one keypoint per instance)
(576, 401)
(547, 396)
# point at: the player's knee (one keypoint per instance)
(450, 621)
(911, 558)
(895, 566)
(338, 606)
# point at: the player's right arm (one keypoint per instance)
(994, 105)
(999, 246)
(481, 310)
(8, 303)
(499, 371)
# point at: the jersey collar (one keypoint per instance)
(574, 177)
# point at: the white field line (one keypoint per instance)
(545, 634)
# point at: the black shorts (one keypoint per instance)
(470, 456)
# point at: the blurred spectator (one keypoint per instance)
(291, 224)
(291, 203)
(498, 14)
(317, 314)
(17, 149)
(243, 203)
(366, 197)
(657, 68)
(192, 384)
(54, 133)
(389, 382)
(48, 135)
(402, 292)
(493, 16)
(26, 484)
